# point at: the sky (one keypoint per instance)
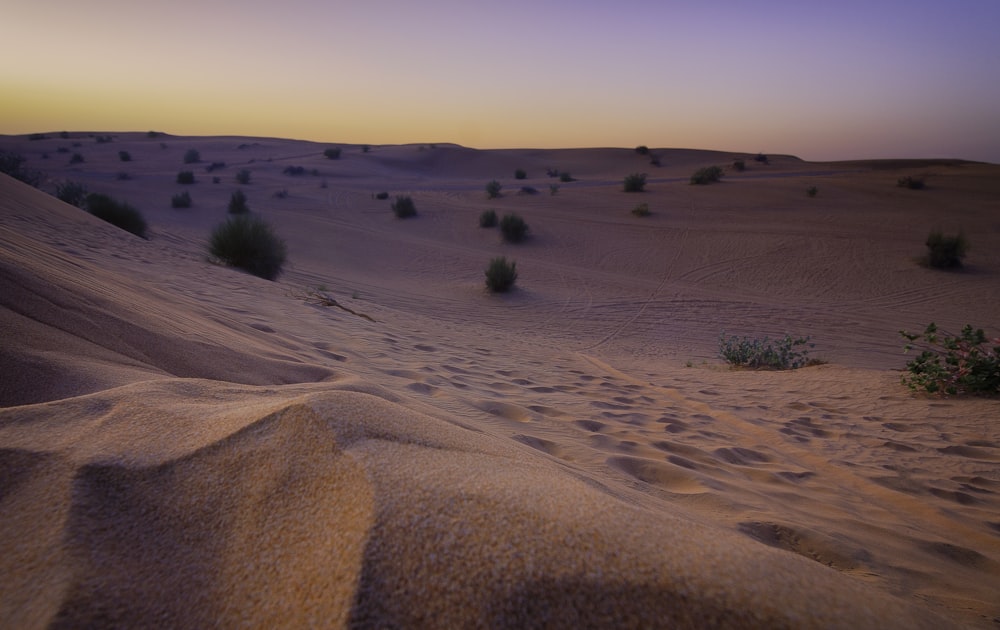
(823, 80)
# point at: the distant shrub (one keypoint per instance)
(77, 158)
(12, 164)
(760, 157)
(636, 182)
(967, 363)
(382, 195)
(154, 134)
(294, 170)
(642, 150)
(812, 191)
(551, 172)
(527, 190)
(333, 153)
(243, 176)
(707, 175)
(513, 228)
(945, 252)
(124, 156)
(181, 200)
(281, 194)
(185, 177)
(216, 179)
(215, 166)
(117, 213)
(520, 174)
(403, 208)
(911, 182)
(566, 177)
(781, 354)
(123, 176)
(654, 160)
(739, 166)
(73, 193)
(191, 156)
(238, 203)
(493, 189)
(501, 275)
(488, 219)
(365, 148)
(553, 189)
(641, 210)
(38, 136)
(103, 139)
(248, 243)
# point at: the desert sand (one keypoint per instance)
(185, 445)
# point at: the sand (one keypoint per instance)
(183, 444)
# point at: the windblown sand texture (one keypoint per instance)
(185, 445)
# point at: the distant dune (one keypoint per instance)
(184, 444)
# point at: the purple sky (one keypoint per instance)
(822, 80)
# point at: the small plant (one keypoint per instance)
(760, 157)
(215, 166)
(333, 153)
(654, 160)
(642, 150)
(365, 148)
(812, 191)
(382, 195)
(513, 228)
(403, 207)
(77, 158)
(123, 176)
(641, 210)
(191, 156)
(636, 182)
(238, 203)
(566, 178)
(243, 176)
(295, 171)
(73, 193)
(248, 243)
(501, 275)
(13, 164)
(945, 252)
(520, 174)
(185, 177)
(739, 166)
(911, 182)
(488, 219)
(706, 175)
(103, 139)
(967, 363)
(781, 354)
(527, 190)
(216, 179)
(182, 200)
(493, 189)
(117, 213)
(124, 156)
(281, 194)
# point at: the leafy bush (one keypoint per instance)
(945, 252)
(520, 174)
(124, 156)
(488, 219)
(73, 193)
(191, 156)
(641, 210)
(953, 364)
(501, 275)
(403, 207)
(636, 182)
(117, 213)
(13, 164)
(238, 203)
(780, 354)
(513, 228)
(812, 191)
(493, 189)
(911, 182)
(243, 176)
(707, 175)
(333, 153)
(182, 200)
(248, 243)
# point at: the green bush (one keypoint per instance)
(116, 213)
(73, 193)
(911, 182)
(636, 182)
(781, 354)
(238, 203)
(333, 153)
(967, 363)
(403, 208)
(191, 156)
(945, 252)
(243, 176)
(520, 174)
(501, 275)
(248, 243)
(513, 228)
(182, 200)
(488, 219)
(641, 210)
(185, 177)
(493, 189)
(707, 175)
(124, 156)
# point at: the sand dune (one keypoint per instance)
(183, 444)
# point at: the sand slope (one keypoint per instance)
(184, 444)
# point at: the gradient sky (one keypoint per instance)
(821, 80)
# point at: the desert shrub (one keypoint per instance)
(73, 193)
(103, 139)
(13, 164)
(216, 180)
(243, 176)
(552, 172)
(488, 219)
(641, 210)
(527, 190)
(707, 175)
(238, 203)
(501, 275)
(642, 150)
(116, 213)
(62, 150)
(781, 354)
(520, 174)
(123, 176)
(333, 153)
(154, 134)
(124, 156)
(77, 158)
(967, 363)
(191, 156)
(403, 207)
(281, 194)
(294, 170)
(654, 160)
(181, 200)
(636, 182)
(812, 191)
(185, 177)
(513, 228)
(215, 166)
(739, 166)
(365, 148)
(945, 252)
(248, 243)
(38, 136)
(553, 189)
(911, 182)
(382, 195)
(760, 157)
(493, 189)
(566, 177)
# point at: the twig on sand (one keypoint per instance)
(322, 299)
